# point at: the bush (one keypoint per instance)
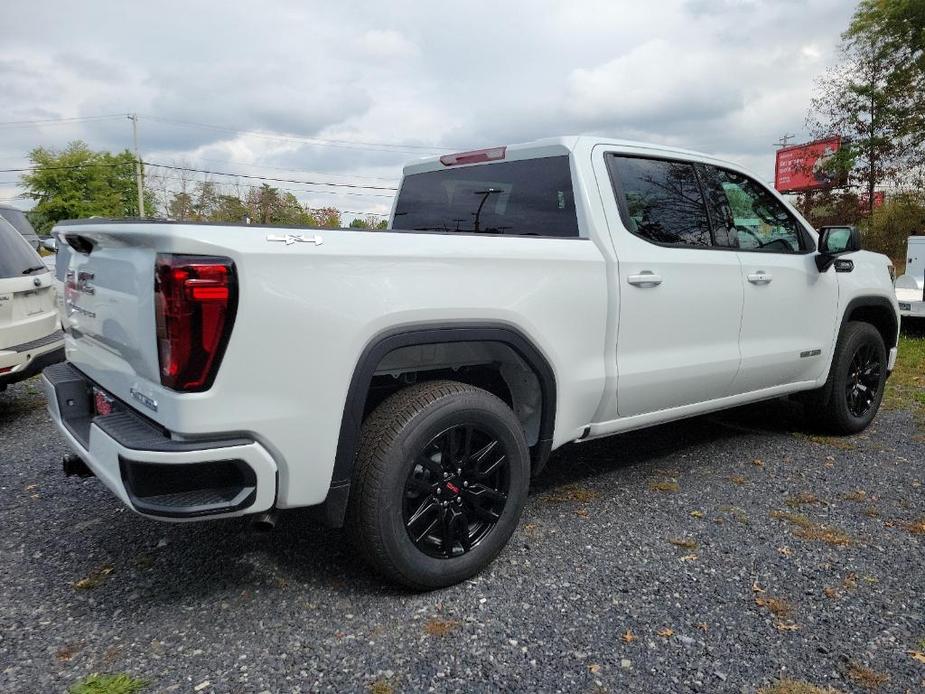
(902, 215)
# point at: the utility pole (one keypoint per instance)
(139, 173)
(784, 140)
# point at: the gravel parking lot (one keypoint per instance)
(720, 554)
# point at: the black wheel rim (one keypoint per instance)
(456, 491)
(863, 383)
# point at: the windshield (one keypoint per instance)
(532, 197)
(17, 258)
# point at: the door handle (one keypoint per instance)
(645, 278)
(760, 277)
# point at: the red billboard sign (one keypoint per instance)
(801, 167)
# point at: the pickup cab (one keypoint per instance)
(407, 383)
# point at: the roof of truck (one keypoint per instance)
(551, 146)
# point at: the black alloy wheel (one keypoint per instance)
(863, 383)
(456, 491)
(441, 479)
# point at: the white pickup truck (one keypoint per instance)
(910, 286)
(408, 382)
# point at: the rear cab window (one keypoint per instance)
(528, 197)
(17, 257)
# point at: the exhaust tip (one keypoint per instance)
(74, 466)
(264, 522)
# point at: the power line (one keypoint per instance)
(284, 168)
(294, 190)
(55, 121)
(332, 184)
(350, 144)
(267, 178)
(67, 166)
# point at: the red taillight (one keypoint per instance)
(474, 157)
(195, 303)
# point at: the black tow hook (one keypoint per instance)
(74, 465)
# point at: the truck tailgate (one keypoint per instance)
(109, 308)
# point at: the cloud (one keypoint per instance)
(724, 76)
(388, 44)
(655, 83)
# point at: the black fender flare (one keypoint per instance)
(879, 302)
(429, 334)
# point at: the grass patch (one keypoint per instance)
(805, 529)
(381, 687)
(857, 495)
(440, 627)
(803, 499)
(788, 686)
(915, 527)
(684, 542)
(665, 486)
(572, 492)
(905, 389)
(778, 607)
(108, 684)
(838, 442)
(95, 578)
(865, 677)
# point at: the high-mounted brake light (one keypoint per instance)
(196, 299)
(474, 157)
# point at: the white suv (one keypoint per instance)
(30, 336)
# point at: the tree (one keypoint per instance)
(78, 182)
(370, 221)
(327, 218)
(899, 27)
(875, 99)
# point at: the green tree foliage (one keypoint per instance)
(206, 201)
(370, 221)
(902, 215)
(875, 99)
(78, 182)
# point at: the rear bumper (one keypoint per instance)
(25, 361)
(152, 471)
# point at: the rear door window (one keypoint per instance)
(661, 200)
(531, 197)
(17, 258)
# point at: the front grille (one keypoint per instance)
(56, 336)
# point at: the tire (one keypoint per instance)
(835, 409)
(425, 525)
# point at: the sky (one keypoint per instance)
(350, 91)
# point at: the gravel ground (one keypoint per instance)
(795, 557)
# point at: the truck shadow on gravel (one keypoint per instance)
(578, 462)
(230, 562)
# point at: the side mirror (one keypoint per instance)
(50, 245)
(836, 240)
